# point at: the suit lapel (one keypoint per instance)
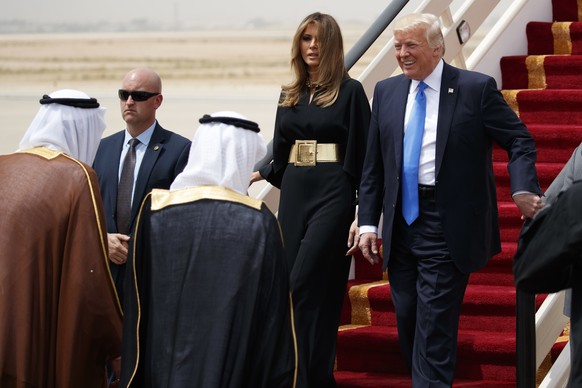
(112, 169)
(154, 150)
(400, 100)
(448, 100)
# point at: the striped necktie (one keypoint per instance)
(125, 189)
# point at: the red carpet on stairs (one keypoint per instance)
(545, 89)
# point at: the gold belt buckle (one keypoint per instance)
(306, 152)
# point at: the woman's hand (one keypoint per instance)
(353, 238)
(255, 177)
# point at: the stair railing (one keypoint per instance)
(550, 322)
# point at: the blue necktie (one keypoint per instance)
(411, 156)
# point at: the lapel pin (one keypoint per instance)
(451, 90)
(158, 147)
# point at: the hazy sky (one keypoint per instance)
(187, 12)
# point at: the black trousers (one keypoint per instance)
(315, 212)
(427, 290)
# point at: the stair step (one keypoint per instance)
(488, 307)
(565, 10)
(497, 271)
(490, 355)
(503, 261)
(558, 347)
(542, 35)
(541, 72)
(554, 143)
(500, 278)
(348, 379)
(510, 221)
(347, 312)
(554, 106)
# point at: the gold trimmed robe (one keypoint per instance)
(60, 316)
(207, 298)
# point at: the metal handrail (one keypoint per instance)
(373, 33)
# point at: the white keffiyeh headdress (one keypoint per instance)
(69, 121)
(224, 151)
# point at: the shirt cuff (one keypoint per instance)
(368, 229)
(521, 192)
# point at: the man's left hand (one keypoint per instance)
(528, 204)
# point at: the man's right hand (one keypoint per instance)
(369, 247)
(118, 247)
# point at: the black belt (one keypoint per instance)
(425, 191)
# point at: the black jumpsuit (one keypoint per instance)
(316, 209)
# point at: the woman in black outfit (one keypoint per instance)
(318, 151)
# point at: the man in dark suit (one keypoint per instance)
(549, 256)
(450, 226)
(559, 237)
(158, 157)
(571, 172)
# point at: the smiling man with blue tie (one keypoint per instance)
(429, 168)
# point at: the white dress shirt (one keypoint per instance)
(140, 149)
(426, 166)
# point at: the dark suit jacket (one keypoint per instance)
(572, 171)
(472, 116)
(165, 157)
(549, 259)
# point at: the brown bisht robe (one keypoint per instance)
(60, 318)
(207, 299)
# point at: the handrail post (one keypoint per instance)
(525, 339)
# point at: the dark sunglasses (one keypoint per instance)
(136, 95)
